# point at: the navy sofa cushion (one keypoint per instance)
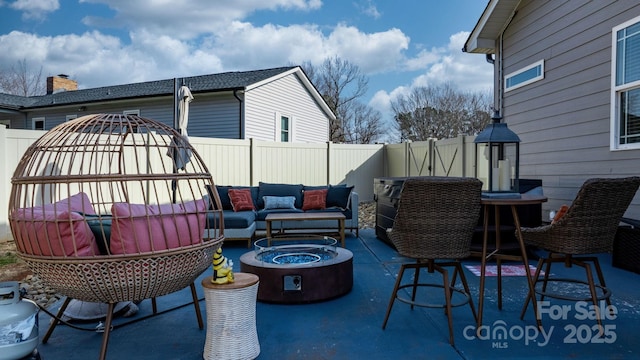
(338, 195)
(269, 189)
(233, 219)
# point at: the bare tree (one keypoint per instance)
(441, 112)
(341, 85)
(363, 124)
(20, 80)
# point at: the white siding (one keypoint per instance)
(287, 96)
(563, 120)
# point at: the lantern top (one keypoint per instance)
(497, 132)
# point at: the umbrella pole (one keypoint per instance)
(174, 184)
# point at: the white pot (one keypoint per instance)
(13, 311)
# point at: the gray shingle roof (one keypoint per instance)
(203, 83)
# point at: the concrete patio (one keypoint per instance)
(349, 327)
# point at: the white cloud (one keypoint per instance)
(188, 19)
(467, 72)
(35, 9)
(370, 9)
(373, 53)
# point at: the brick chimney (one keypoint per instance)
(60, 82)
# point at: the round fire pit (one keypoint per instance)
(299, 269)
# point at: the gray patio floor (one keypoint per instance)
(349, 327)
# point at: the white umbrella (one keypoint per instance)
(184, 98)
(182, 153)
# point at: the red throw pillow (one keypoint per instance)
(241, 199)
(315, 200)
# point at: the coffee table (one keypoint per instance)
(306, 217)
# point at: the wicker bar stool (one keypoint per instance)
(588, 227)
(434, 224)
(231, 318)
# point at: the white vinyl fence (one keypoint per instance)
(248, 162)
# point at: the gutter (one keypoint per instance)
(240, 122)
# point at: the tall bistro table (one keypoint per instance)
(487, 202)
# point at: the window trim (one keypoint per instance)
(616, 90)
(35, 120)
(539, 63)
(277, 136)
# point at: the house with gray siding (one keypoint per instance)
(278, 104)
(567, 81)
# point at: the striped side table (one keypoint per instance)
(231, 318)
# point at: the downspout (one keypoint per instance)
(240, 122)
(500, 58)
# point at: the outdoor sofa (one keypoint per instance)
(242, 221)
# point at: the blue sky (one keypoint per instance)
(397, 44)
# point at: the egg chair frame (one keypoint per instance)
(110, 208)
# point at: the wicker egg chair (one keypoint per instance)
(110, 208)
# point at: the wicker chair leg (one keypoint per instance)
(393, 295)
(465, 286)
(447, 285)
(416, 278)
(107, 331)
(596, 264)
(196, 304)
(594, 297)
(154, 306)
(55, 321)
(447, 297)
(547, 273)
(583, 262)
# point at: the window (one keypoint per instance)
(70, 117)
(625, 89)
(524, 76)
(131, 112)
(37, 123)
(6, 123)
(283, 128)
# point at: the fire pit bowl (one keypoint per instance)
(299, 269)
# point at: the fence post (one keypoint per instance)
(463, 155)
(432, 156)
(5, 185)
(251, 161)
(407, 158)
(329, 150)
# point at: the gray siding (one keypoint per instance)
(563, 120)
(210, 115)
(215, 115)
(286, 96)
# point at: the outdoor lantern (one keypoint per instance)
(498, 159)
